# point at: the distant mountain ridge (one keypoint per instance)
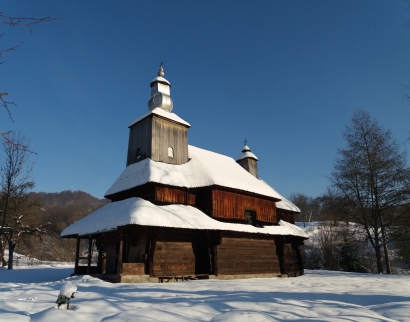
(55, 211)
(67, 197)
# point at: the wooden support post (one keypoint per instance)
(153, 243)
(77, 255)
(89, 255)
(119, 250)
(215, 268)
(104, 254)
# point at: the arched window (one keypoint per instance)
(170, 152)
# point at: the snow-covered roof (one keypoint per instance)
(161, 112)
(137, 211)
(284, 203)
(247, 154)
(205, 168)
(160, 79)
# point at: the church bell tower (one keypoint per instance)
(159, 135)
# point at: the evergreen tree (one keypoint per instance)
(349, 259)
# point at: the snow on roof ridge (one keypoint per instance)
(137, 211)
(205, 168)
(161, 112)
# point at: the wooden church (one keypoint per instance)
(181, 212)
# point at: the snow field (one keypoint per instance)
(29, 294)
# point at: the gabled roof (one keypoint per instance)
(205, 168)
(137, 211)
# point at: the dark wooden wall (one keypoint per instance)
(285, 216)
(230, 205)
(246, 256)
(292, 264)
(172, 253)
(168, 252)
(139, 138)
(111, 259)
(151, 137)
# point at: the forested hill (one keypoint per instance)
(66, 198)
(54, 212)
(64, 208)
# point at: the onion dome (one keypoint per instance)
(246, 153)
(160, 92)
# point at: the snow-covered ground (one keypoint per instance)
(28, 293)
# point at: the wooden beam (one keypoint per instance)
(77, 254)
(89, 255)
(104, 255)
(119, 250)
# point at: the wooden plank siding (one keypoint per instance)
(230, 205)
(151, 138)
(140, 138)
(166, 134)
(247, 256)
(174, 195)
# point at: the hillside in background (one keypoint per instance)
(64, 208)
(56, 211)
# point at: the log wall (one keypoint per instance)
(231, 205)
(246, 256)
(172, 253)
(172, 258)
(133, 268)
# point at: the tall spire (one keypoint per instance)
(160, 92)
(161, 71)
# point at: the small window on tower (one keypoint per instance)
(170, 152)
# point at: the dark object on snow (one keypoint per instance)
(62, 299)
(66, 294)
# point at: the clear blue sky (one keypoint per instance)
(285, 75)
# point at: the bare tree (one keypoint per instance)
(10, 21)
(310, 209)
(372, 181)
(15, 182)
